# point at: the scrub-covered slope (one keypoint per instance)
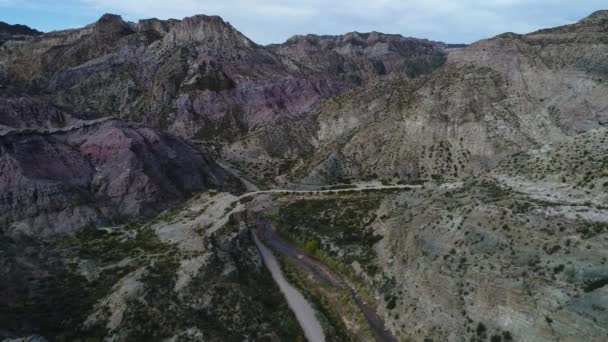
(490, 99)
(515, 254)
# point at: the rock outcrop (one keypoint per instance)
(28, 113)
(59, 176)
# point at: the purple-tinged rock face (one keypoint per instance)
(25, 112)
(57, 180)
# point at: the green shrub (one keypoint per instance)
(312, 246)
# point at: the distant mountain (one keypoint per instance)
(357, 57)
(17, 29)
(15, 32)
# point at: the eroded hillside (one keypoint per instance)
(493, 98)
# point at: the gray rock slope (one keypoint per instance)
(519, 253)
(515, 254)
(491, 99)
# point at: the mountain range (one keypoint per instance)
(457, 192)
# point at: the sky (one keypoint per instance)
(273, 21)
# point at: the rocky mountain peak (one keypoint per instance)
(110, 18)
(358, 57)
(597, 18)
(210, 30)
(156, 26)
(370, 37)
(112, 25)
(589, 27)
(353, 38)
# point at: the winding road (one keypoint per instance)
(312, 266)
(304, 312)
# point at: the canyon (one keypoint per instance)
(173, 180)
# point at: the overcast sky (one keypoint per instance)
(273, 21)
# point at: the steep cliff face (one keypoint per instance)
(359, 57)
(65, 176)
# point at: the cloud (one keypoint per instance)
(447, 20)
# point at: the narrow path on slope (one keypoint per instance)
(358, 187)
(233, 205)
